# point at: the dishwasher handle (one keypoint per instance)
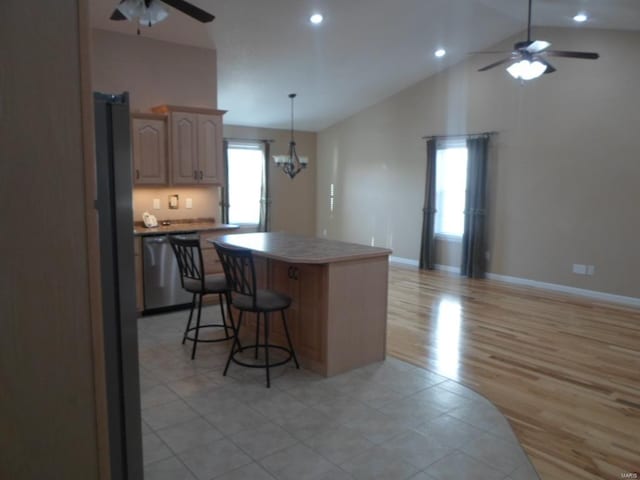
(162, 239)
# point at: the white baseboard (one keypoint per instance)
(416, 263)
(404, 261)
(592, 294)
(447, 268)
(595, 295)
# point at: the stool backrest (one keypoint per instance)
(238, 270)
(189, 257)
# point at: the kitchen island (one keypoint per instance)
(338, 315)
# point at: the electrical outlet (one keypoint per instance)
(188, 203)
(156, 204)
(579, 269)
(591, 269)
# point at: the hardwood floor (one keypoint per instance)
(564, 370)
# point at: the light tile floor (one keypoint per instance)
(388, 421)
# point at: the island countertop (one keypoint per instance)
(294, 248)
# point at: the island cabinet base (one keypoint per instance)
(357, 314)
(338, 316)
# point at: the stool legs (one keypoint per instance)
(224, 318)
(195, 341)
(265, 315)
(237, 348)
(286, 331)
(257, 334)
(235, 342)
(186, 330)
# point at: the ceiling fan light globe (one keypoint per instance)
(131, 8)
(526, 70)
(153, 14)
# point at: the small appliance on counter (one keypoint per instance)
(149, 220)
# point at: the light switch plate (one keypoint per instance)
(579, 269)
(156, 204)
(174, 202)
(188, 203)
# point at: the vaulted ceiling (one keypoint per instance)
(363, 52)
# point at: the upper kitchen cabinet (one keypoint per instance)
(149, 140)
(195, 145)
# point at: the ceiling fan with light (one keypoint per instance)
(528, 58)
(149, 12)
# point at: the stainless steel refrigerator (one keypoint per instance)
(115, 212)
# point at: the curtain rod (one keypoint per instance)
(462, 135)
(231, 139)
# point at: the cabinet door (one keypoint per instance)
(210, 257)
(184, 148)
(281, 278)
(210, 162)
(149, 151)
(305, 316)
(309, 304)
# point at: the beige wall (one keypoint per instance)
(156, 73)
(47, 398)
(293, 202)
(564, 170)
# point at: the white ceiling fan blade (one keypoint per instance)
(538, 46)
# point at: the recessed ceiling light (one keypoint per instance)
(580, 17)
(316, 18)
(441, 52)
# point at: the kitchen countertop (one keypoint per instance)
(293, 248)
(181, 227)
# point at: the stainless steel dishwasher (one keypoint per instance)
(161, 276)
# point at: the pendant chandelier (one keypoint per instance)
(291, 164)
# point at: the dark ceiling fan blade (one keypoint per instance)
(491, 52)
(191, 10)
(495, 64)
(117, 15)
(550, 68)
(564, 53)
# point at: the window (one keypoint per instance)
(451, 183)
(245, 164)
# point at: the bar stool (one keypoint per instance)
(189, 256)
(241, 278)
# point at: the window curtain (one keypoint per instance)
(473, 238)
(427, 244)
(264, 224)
(224, 191)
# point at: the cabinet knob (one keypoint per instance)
(201, 175)
(195, 174)
(137, 174)
(292, 273)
